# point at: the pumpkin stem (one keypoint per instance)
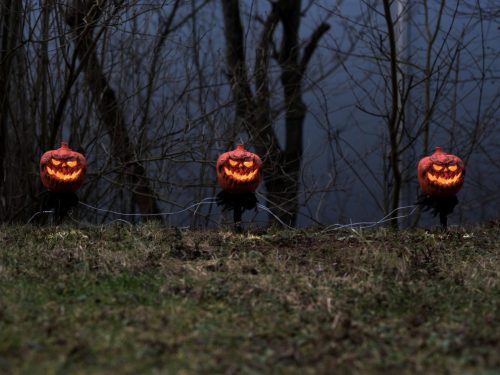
(64, 145)
(439, 150)
(240, 147)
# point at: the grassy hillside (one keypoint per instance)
(148, 299)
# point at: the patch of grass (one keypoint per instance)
(151, 299)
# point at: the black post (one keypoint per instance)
(237, 211)
(60, 204)
(443, 219)
(439, 205)
(238, 202)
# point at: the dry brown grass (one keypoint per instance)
(151, 299)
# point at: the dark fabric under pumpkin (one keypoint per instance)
(438, 205)
(238, 203)
(59, 203)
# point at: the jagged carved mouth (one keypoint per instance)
(240, 176)
(443, 180)
(64, 176)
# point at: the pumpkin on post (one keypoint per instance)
(440, 177)
(239, 173)
(441, 174)
(62, 172)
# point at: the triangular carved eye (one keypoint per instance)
(55, 162)
(437, 167)
(248, 163)
(71, 163)
(452, 168)
(233, 163)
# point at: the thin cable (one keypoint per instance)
(369, 224)
(276, 217)
(270, 203)
(158, 214)
(38, 213)
(359, 225)
(211, 200)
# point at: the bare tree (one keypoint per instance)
(82, 19)
(142, 89)
(17, 135)
(253, 109)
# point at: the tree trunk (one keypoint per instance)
(8, 40)
(393, 123)
(17, 136)
(81, 20)
(281, 165)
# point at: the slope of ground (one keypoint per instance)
(151, 299)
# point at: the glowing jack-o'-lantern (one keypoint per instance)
(239, 171)
(62, 170)
(441, 174)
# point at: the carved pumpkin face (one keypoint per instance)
(239, 171)
(62, 170)
(441, 174)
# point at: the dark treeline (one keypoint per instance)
(339, 99)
